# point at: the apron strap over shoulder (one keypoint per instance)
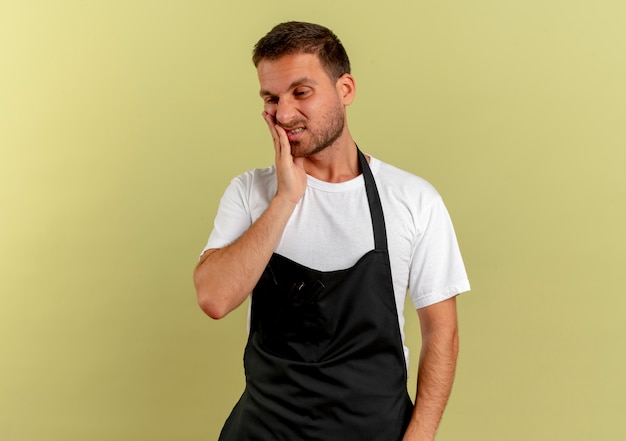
(376, 208)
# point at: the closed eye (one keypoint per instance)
(301, 92)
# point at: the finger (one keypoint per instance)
(269, 120)
(283, 146)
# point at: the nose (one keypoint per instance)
(285, 111)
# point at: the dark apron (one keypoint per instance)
(324, 359)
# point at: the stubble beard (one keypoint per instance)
(331, 129)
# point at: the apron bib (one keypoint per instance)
(324, 359)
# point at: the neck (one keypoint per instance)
(336, 163)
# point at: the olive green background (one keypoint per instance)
(121, 123)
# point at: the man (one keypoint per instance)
(328, 241)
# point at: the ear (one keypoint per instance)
(346, 88)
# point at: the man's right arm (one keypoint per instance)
(224, 277)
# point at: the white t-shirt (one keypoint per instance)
(331, 229)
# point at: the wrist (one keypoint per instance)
(285, 202)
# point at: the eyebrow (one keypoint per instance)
(293, 85)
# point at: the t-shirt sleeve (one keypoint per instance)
(437, 269)
(233, 215)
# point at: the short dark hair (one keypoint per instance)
(294, 37)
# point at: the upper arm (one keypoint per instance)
(436, 269)
(243, 202)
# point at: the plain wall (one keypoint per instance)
(121, 123)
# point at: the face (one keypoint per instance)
(304, 101)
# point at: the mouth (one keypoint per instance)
(294, 134)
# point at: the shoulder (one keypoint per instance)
(256, 176)
(253, 181)
(399, 183)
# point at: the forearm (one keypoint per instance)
(225, 277)
(434, 383)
